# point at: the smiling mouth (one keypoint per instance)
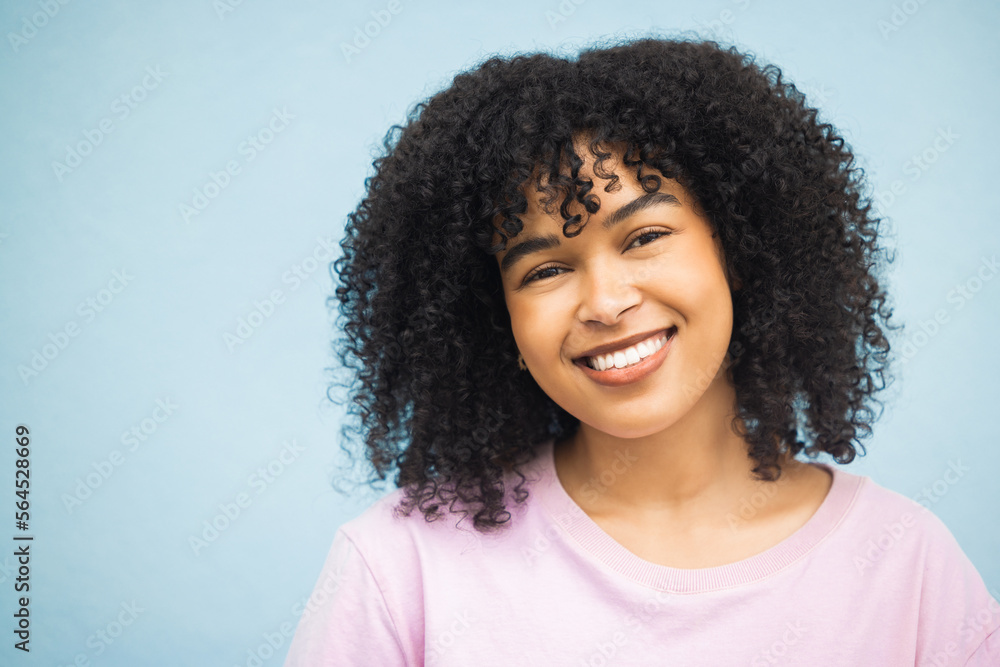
(628, 356)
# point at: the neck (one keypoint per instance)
(697, 467)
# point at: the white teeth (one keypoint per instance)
(628, 356)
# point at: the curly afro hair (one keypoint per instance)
(436, 385)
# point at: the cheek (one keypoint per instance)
(698, 291)
(527, 323)
(539, 327)
(521, 323)
(697, 279)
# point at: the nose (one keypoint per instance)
(607, 291)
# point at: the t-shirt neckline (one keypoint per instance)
(592, 538)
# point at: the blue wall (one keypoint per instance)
(153, 410)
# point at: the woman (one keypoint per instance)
(596, 308)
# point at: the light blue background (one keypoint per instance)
(162, 336)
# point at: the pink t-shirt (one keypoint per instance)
(873, 578)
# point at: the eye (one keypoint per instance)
(539, 273)
(651, 234)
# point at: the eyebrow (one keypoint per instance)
(538, 243)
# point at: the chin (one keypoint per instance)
(626, 430)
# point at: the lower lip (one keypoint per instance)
(617, 377)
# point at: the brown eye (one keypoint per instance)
(651, 234)
(538, 274)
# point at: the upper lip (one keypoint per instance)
(621, 343)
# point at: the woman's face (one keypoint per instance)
(645, 267)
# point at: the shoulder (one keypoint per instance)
(453, 527)
(889, 520)
(384, 522)
(902, 551)
(385, 531)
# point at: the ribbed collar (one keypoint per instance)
(592, 538)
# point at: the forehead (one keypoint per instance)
(543, 207)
